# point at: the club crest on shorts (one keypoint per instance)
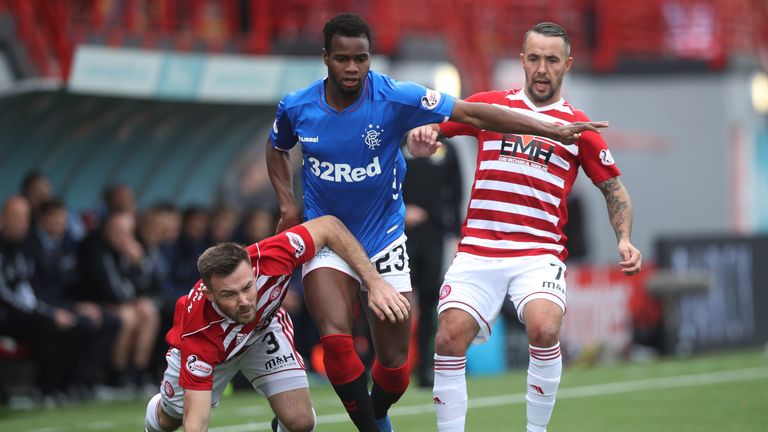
(297, 242)
(168, 389)
(445, 291)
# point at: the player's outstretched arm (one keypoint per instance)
(281, 176)
(383, 299)
(502, 119)
(620, 213)
(197, 410)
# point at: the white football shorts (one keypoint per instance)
(271, 364)
(391, 263)
(478, 286)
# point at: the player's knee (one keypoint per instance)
(450, 340)
(299, 422)
(543, 334)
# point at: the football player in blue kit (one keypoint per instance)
(349, 126)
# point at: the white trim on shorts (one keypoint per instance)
(479, 285)
(399, 279)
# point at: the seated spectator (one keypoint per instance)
(115, 274)
(224, 220)
(192, 242)
(47, 329)
(56, 277)
(37, 189)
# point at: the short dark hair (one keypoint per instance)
(221, 260)
(347, 25)
(50, 206)
(550, 29)
(30, 178)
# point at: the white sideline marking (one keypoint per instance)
(691, 380)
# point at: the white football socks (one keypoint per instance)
(450, 393)
(544, 369)
(150, 420)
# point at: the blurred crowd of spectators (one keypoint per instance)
(87, 298)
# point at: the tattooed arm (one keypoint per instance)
(620, 213)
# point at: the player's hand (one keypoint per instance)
(631, 258)
(422, 141)
(387, 303)
(288, 220)
(570, 133)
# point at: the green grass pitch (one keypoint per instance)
(717, 392)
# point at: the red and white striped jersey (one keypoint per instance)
(206, 337)
(517, 206)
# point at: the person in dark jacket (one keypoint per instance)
(116, 274)
(47, 329)
(56, 277)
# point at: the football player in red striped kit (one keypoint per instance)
(512, 239)
(232, 322)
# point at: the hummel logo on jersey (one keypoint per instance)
(309, 139)
(341, 172)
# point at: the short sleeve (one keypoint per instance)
(595, 157)
(199, 357)
(282, 134)
(282, 253)
(419, 105)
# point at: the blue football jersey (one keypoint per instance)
(352, 165)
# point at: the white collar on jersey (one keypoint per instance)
(558, 106)
(227, 319)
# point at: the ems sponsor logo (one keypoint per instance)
(280, 362)
(297, 242)
(431, 99)
(371, 136)
(342, 172)
(606, 158)
(197, 367)
(313, 139)
(168, 389)
(445, 291)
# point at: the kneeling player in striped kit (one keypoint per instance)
(232, 322)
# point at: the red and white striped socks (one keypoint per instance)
(544, 369)
(450, 393)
